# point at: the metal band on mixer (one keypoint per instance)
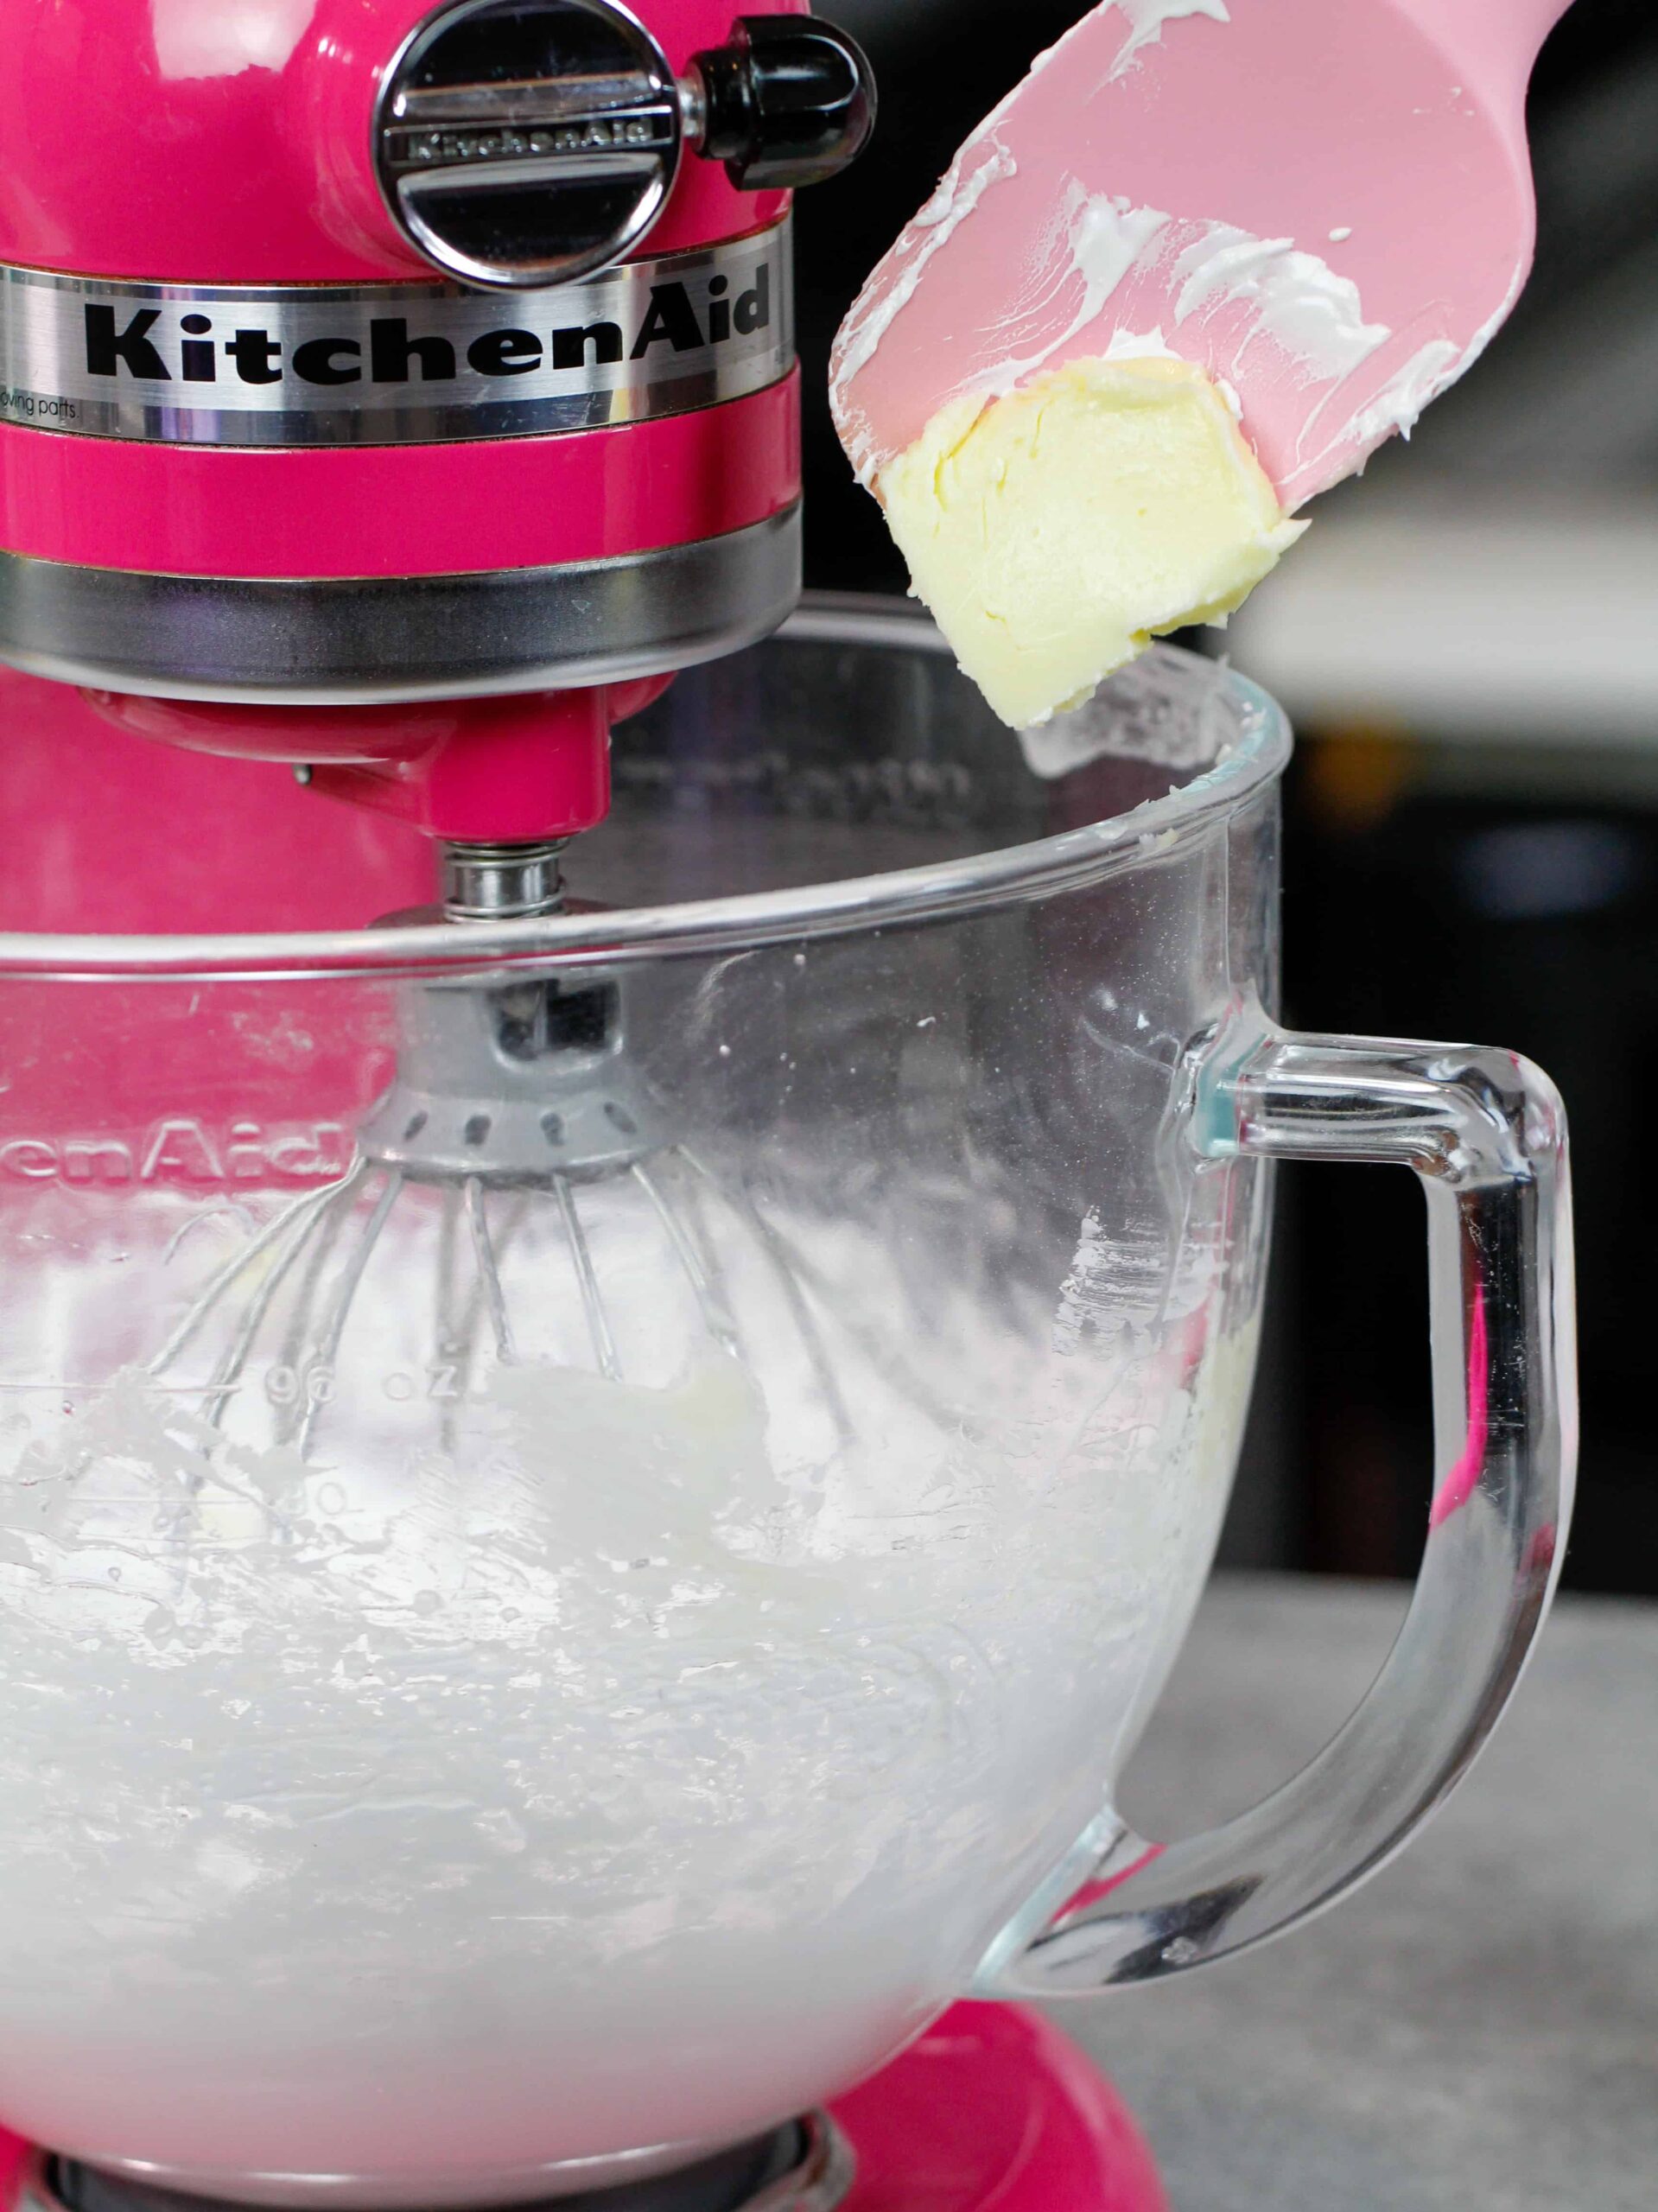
(394, 364)
(382, 640)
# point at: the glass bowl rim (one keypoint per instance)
(982, 882)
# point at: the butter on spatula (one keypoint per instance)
(1055, 532)
(1204, 260)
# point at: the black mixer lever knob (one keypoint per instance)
(789, 100)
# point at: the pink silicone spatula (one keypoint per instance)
(1325, 204)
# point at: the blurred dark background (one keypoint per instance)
(1469, 642)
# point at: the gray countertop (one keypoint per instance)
(1477, 2031)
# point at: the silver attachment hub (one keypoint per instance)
(526, 142)
(503, 883)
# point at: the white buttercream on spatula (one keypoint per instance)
(1147, 18)
(1297, 300)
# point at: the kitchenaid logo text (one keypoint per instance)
(599, 135)
(395, 350)
(179, 1148)
(317, 365)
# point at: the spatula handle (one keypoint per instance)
(1495, 42)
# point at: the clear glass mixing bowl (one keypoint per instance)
(591, 1509)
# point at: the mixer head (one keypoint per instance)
(423, 354)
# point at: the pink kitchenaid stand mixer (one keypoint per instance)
(407, 395)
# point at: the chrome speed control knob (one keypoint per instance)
(528, 143)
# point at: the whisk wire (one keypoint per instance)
(593, 1303)
(228, 1373)
(741, 1202)
(489, 1273)
(302, 1211)
(318, 1251)
(316, 1381)
(716, 1319)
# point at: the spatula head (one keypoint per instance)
(1326, 205)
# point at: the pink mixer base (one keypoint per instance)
(991, 2111)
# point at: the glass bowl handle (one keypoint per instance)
(1486, 1133)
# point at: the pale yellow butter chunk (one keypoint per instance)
(1055, 532)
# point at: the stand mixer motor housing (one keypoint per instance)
(366, 355)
